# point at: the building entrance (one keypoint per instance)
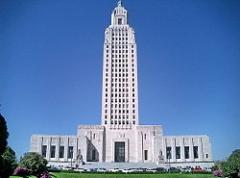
(119, 152)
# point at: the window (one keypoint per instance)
(186, 152)
(195, 152)
(145, 154)
(61, 152)
(44, 150)
(169, 152)
(178, 152)
(206, 155)
(52, 151)
(70, 152)
(145, 136)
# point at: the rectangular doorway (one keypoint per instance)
(119, 152)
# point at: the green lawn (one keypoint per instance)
(88, 175)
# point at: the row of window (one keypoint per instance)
(120, 105)
(120, 34)
(119, 60)
(119, 74)
(119, 100)
(116, 65)
(178, 152)
(119, 79)
(120, 70)
(119, 51)
(120, 42)
(120, 38)
(119, 111)
(120, 85)
(116, 46)
(119, 90)
(119, 117)
(60, 153)
(126, 55)
(113, 79)
(120, 95)
(123, 71)
(121, 65)
(121, 122)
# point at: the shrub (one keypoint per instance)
(218, 173)
(44, 174)
(20, 171)
(34, 162)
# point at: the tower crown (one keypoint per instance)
(119, 15)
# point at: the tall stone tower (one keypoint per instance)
(120, 86)
(120, 138)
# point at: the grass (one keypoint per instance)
(21, 177)
(95, 175)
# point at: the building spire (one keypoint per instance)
(119, 3)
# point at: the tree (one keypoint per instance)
(3, 134)
(34, 162)
(3, 145)
(232, 164)
(9, 162)
(234, 160)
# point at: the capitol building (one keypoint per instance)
(120, 138)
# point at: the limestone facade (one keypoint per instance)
(120, 138)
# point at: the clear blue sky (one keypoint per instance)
(188, 63)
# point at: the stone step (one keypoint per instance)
(119, 165)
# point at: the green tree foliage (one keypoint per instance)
(34, 162)
(9, 162)
(6, 155)
(234, 159)
(3, 134)
(232, 164)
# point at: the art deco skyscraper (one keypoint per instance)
(120, 87)
(120, 137)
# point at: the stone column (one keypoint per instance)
(164, 144)
(75, 149)
(101, 146)
(191, 149)
(138, 145)
(49, 139)
(152, 150)
(57, 149)
(173, 145)
(39, 144)
(127, 150)
(182, 150)
(200, 149)
(66, 149)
